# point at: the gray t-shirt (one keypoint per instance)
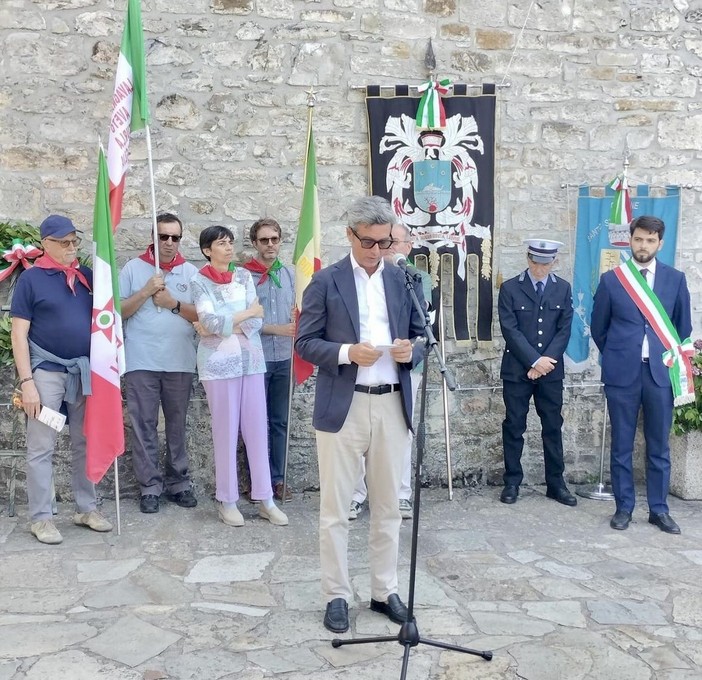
(153, 340)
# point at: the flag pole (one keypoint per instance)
(444, 389)
(311, 101)
(154, 226)
(117, 505)
(291, 380)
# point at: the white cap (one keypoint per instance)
(542, 250)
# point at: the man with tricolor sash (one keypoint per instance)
(641, 325)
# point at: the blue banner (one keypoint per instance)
(600, 246)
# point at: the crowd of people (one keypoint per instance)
(234, 327)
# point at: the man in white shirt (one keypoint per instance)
(356, 324)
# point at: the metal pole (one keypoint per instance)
(444, 391)
(600, 491)
(117, 508)
(154, 226)
(291, 379)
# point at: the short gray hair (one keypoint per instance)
(407, 232)
(370, 210)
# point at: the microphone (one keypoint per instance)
(399, 260)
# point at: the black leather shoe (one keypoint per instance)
(336, 618)
(394, 609)
(562, 495)
(620, 520)
(509, 494)
(664, 522)
(185, 499)
(148, 503)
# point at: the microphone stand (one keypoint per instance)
(409, 635)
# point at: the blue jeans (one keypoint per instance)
(277, 388)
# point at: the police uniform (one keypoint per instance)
(534, 325)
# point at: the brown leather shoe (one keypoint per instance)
(278, 493)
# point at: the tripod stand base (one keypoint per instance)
(598, 492)
(409, 637)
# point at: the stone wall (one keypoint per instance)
(227, 82)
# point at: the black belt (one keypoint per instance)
(377, 389)
(644, 359)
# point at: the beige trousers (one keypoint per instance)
(374, 427)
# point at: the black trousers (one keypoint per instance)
(548, 399)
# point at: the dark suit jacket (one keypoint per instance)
(618, 327)
(330, 318)
(531, 332)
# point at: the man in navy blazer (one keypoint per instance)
(634, 375)
(535, 310)
(356, 324)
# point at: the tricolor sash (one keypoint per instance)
(677, 354)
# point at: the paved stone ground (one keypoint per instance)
(552, 590)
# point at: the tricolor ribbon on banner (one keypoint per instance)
(621, 205)
(678, 353)
(430, 112)
(18, 252)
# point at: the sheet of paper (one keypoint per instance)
(53, 419)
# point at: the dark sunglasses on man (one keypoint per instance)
(165, 237)
(368, 243)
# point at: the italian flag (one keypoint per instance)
(104, 424)
(307, 244)
(620, 212)
(130, 110)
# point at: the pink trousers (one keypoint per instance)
(234, 403)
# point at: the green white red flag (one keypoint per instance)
(430, 111)
(621, 205)
(307, 259)
(104, 423)
(130, 109)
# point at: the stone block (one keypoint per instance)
(654, 19)
(487, 39)
(686, 465)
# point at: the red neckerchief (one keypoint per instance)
(209, 272)
(148, 256)
(257, 267)
(71, 271)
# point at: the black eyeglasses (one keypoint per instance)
(368, 243)
(165, 237)
(275, 240)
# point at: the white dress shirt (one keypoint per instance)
(650, 280)
(374, 326)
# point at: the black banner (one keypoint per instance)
(440, 183)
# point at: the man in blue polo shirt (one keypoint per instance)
(51, 322)
(160, 350)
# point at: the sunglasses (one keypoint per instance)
(275, 240)
(368, 243)
(67, 243)
(165, 237)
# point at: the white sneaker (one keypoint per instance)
(405, 508)
(355, 509)
(46, 532)
(273, 514)
(93, 520)
(230, 516)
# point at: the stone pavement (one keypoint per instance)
(552, 590)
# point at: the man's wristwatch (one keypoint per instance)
(176, 309)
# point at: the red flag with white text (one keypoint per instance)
(130, 109)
